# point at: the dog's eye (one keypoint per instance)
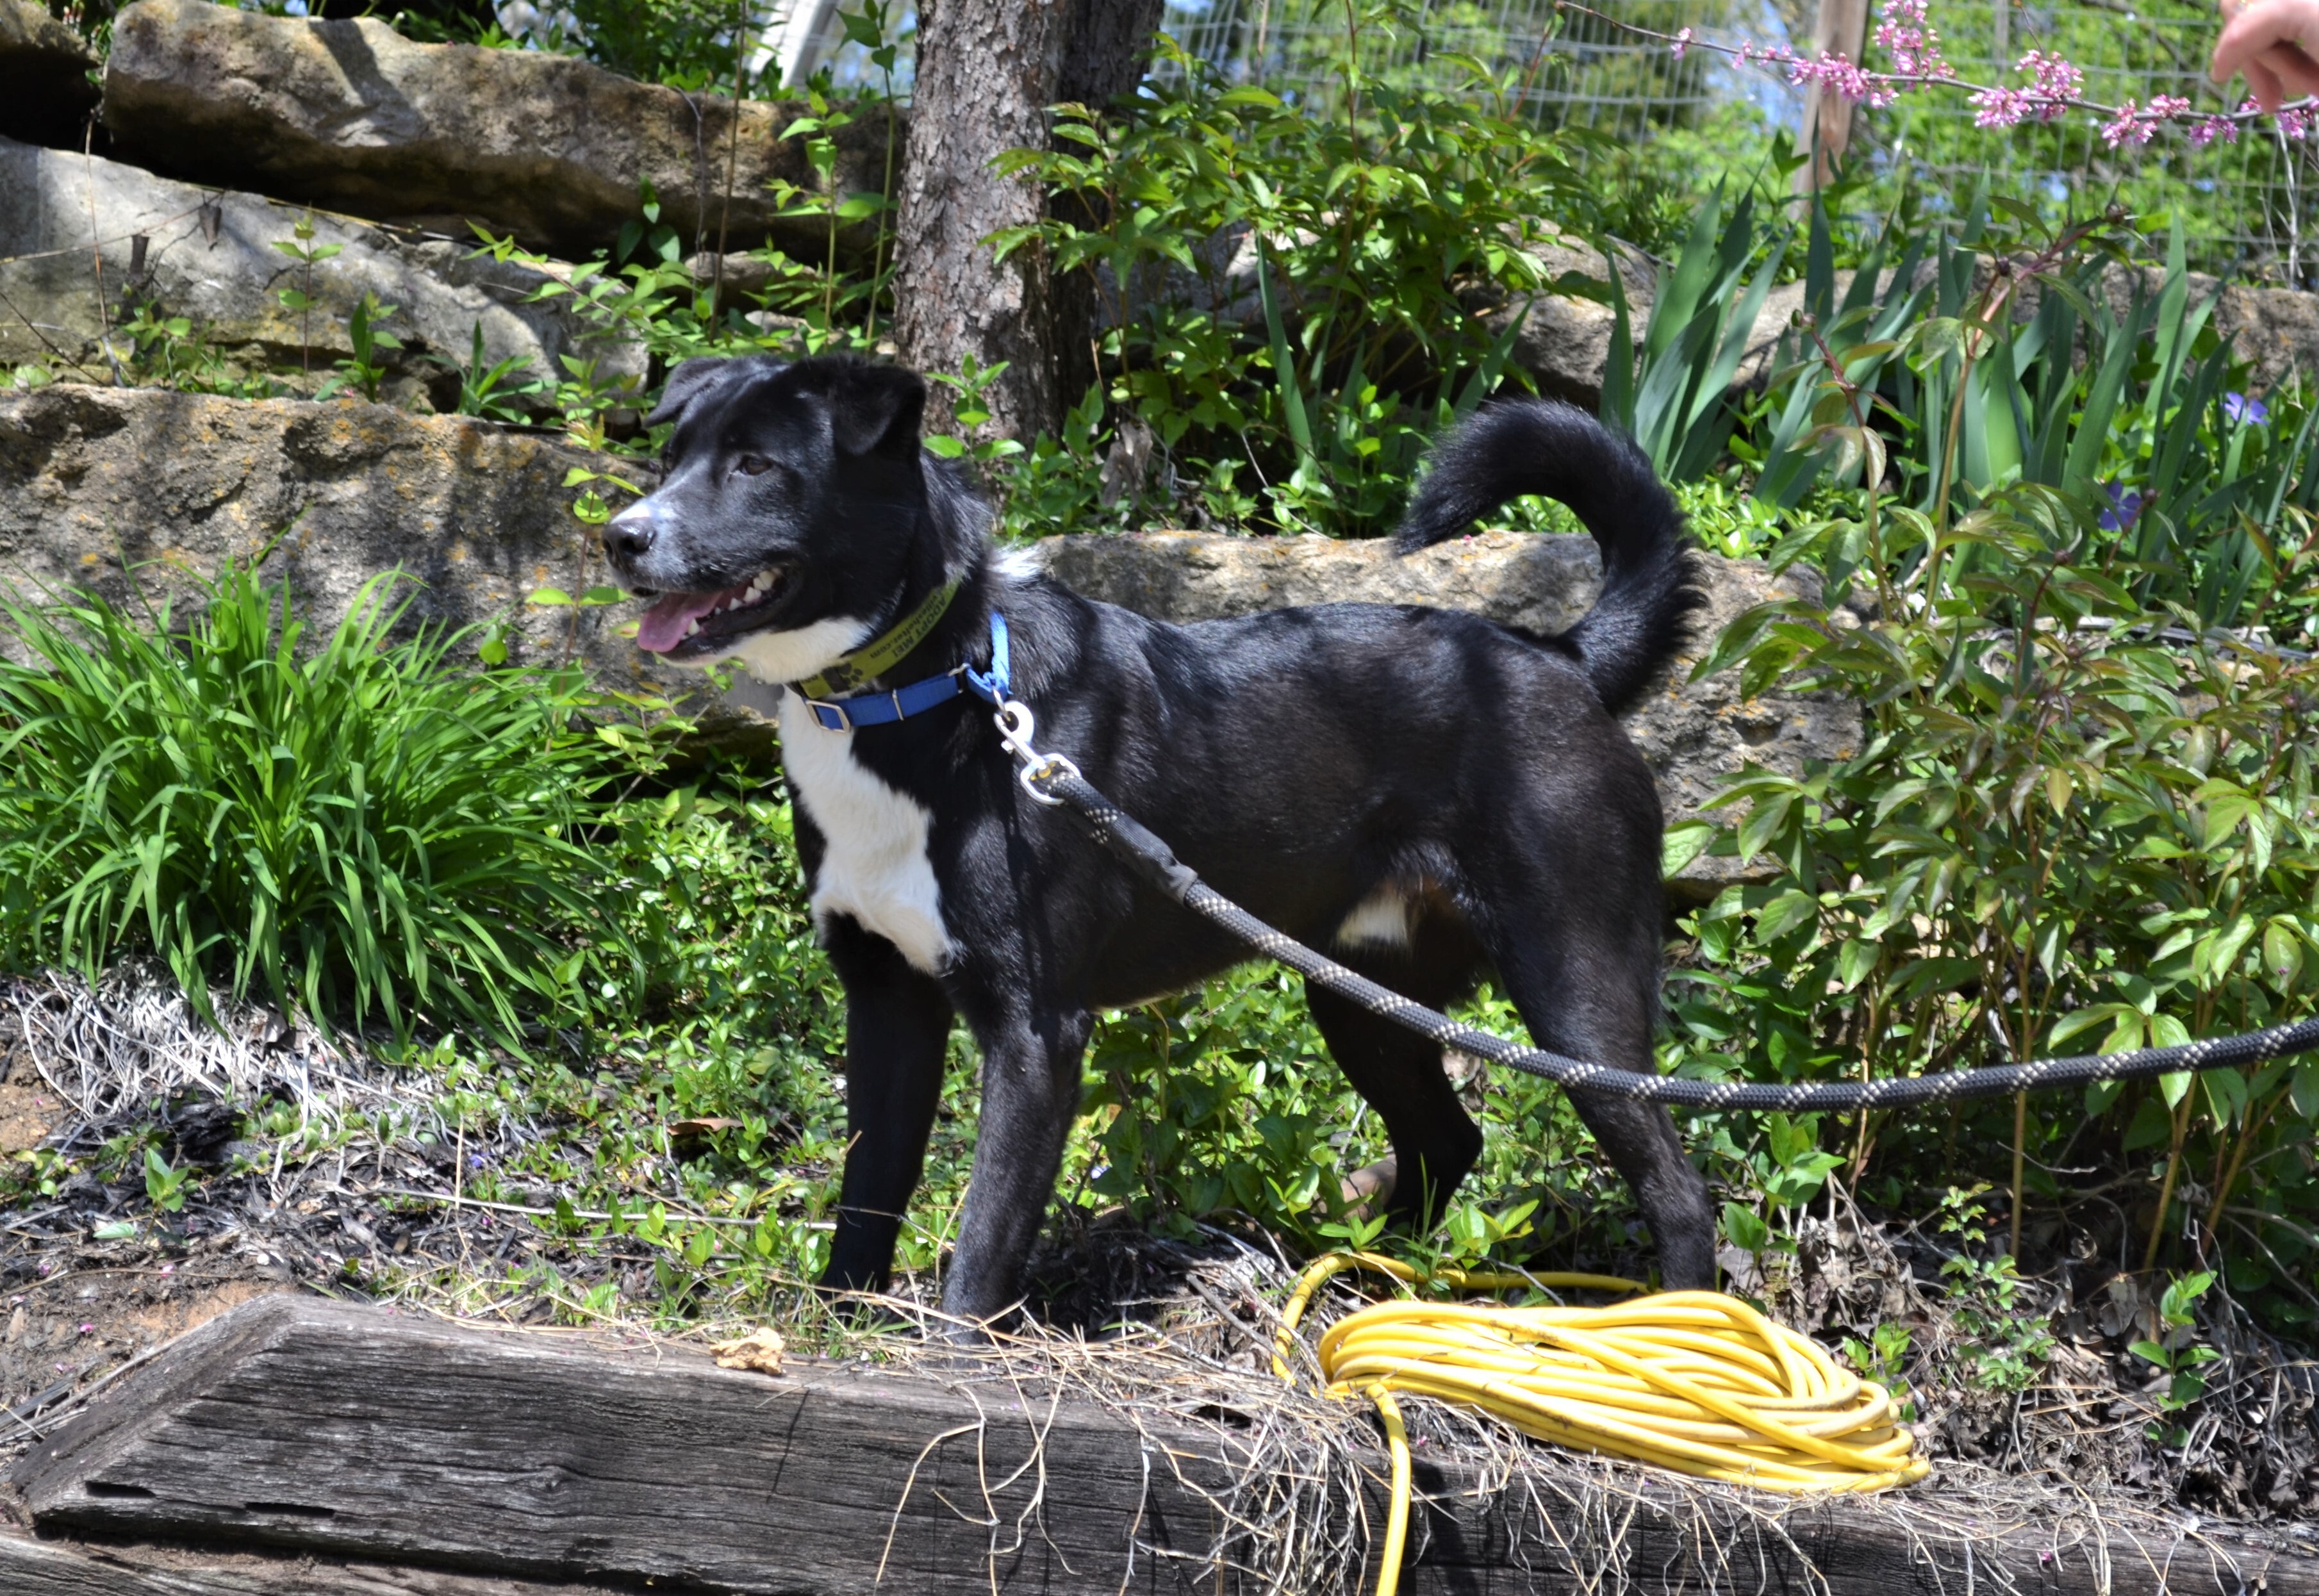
(752, 465)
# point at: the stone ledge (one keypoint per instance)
(209, 255)
(352, 115)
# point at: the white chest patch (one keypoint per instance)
(876, 866)
(792, 656)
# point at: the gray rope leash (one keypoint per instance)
(1053, 780)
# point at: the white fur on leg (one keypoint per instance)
(1379, 920)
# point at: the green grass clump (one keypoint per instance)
(364, 831)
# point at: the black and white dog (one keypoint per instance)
(1433, 795)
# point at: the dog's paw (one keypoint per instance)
(1370, 1187)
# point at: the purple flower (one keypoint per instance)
(2238, 407)
(2125, 507)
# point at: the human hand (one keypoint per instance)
(2275, 42)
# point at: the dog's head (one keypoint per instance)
(783, 521)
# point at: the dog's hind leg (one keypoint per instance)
(1399, 1073)
(897, 1028)
(1588, 990)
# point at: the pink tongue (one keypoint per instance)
(663, 626)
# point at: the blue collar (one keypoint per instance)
(845, 714)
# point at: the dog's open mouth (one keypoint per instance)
(705, 620)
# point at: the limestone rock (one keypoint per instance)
(45, 94)
(1695, 735)
(2277, 329)
(210, 257)
(1565, 342)
(95, 482)
(352, 115)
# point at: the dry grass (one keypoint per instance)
(1175, 1340)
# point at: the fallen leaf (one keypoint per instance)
(759, 1350)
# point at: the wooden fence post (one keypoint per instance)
(1842, 29)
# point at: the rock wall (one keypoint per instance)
(100, 485)
(89, 239)
(45, 94)
(354, 116)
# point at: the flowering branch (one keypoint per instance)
(2054, 86)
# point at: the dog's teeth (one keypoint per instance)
(692, 627)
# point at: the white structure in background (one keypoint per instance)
(801, 36)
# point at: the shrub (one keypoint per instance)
(1290, 295)
(367, 832)
(2075, 821)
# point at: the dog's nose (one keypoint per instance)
(629, 534)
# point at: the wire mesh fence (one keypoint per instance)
(2247, 206)
(1569, 69)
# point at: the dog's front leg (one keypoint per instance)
(1030, 1064)
(897, 1028)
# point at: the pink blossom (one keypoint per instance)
(2129, 127)
(1681, 43)
(1833, 74)
(1914, 45)
(2053, 81)
(2001, 107)
(2293, 122)
(2213, 128)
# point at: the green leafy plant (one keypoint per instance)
(1671, 394)
(1883, 1358)
(1294, 299)
(362, 371)
(364, 833)
(484, 389)
(300, 302)
(1193, 1112)
(968, 409)
(165, 1187)
(2005, 1342)
(169, 352)
(2177, 1354)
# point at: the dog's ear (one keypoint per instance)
(687, 382)
(876, 410)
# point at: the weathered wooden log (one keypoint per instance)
(354, 1433)
(30, 1567)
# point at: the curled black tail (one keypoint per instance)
(1650, 583)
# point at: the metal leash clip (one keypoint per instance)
(1016, 729)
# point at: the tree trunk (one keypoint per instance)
(1111, 44)
(986, 72)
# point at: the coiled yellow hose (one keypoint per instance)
(1692, 1381)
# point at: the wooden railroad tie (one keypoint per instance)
(299, 1445)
